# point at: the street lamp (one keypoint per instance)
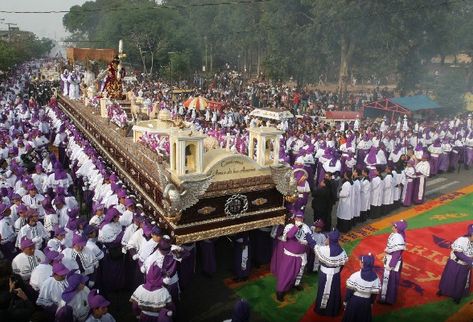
(170, 62)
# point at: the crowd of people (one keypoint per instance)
(71, 231)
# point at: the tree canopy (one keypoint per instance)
(302, 39)
(22, 46)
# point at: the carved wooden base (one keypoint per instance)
(211, 217)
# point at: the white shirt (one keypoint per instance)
(23, 265)
(36, 233)
(376, 191)
(50, 292)
(79, 304)
(39, 275)
(344, 203)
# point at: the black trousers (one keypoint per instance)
(344, 226)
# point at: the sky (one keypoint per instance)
(43, 25)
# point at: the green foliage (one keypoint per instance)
(22, 47)
(299, 38)
(451, 87)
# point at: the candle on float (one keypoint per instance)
(120, 46)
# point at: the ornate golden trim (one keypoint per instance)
(241, 190)
(227, 218)
(229, 230)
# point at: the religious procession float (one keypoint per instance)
(198, 190)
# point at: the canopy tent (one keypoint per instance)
(384, 108)
(416, 103)
(272, 114)
(398, 106)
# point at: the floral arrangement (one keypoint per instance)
(95, 102)
(117, 115)
(156, 143)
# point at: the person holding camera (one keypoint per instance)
(15, 305)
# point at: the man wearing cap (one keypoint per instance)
(456, 277)
(393, 263)
(362, 289)
(34, 230)
(51, 290)
(45, 269)
(75, 296)
(30, 257)
(99, 308)
(7, 233)
(332, 258)
(291, 263)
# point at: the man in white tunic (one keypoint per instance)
(24, 263)
(377, 187)
(344, 208)
(44, 269)
(51, 290)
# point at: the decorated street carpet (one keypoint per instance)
(433, 226)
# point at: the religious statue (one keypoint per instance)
(113, 85)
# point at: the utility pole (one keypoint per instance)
(9, 24)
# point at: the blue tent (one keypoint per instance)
(416, 103)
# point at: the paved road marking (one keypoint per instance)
(435, 181)
(429, 192)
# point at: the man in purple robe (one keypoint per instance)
(371, 161)
(362, 289)
(435, 151)
(393, 263)
(303, 189)
(456, 277)
(332, 258)
(292, 262)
